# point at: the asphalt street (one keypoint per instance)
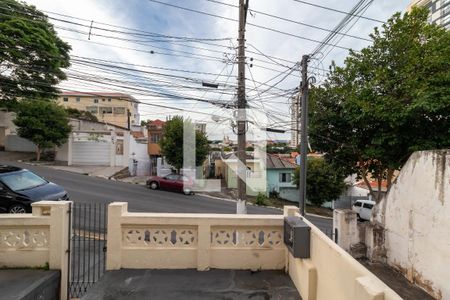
(86, 189)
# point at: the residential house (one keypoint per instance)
(158, 166)
(113, 108)
(255, 176)
(280, 174)
(95, 143)
(9, 140)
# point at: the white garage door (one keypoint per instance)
(91, 153)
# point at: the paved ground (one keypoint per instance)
(29, 284)
(82, 188)
(190, 284)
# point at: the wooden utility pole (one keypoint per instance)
(241, 114)
(304, 133)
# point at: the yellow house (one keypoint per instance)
(114, 108)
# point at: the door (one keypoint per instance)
(366, 211)
(169, 182)
(6, 198)
(97, 153)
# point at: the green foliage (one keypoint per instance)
(227, 149)
(32, 56)
(324, 181)
(261, 199)
(281, 148)
(144, 123)
(171, 142)
(250, 148)
(42, 122)
(81, 114)
(388, 100)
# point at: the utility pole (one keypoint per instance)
(241, 114)
(304, 133)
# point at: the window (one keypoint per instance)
(358, 204)
(285, 177)
(119, 110)
(23, 180)
(78, 99)
(367, 205)
(109, 99)
(92, 109)
(154, 138)
(95, 100)
(106, 110)
(172, 177)
(65, 99)
(103, 100)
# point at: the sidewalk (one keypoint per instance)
(97, 171)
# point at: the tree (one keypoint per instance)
(44, 123)
(81, 114)
(32, 56)
(172, 142)
(387, 101)
(325, 182)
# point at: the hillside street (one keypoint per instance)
(82, 188)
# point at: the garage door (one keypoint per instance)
(91, 153)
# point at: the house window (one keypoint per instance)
(109, 99)
(92, 109)
(65, 99)
(95, 100)
(154, 138)
(78, 99)
(103, 99)
(106, 110)
(119, 110)
(285, 177)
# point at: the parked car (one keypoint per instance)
(172, 182)
(20, 187)
(363, 208)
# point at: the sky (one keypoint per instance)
(161, 54)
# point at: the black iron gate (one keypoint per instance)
(87, 246)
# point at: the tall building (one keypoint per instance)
(439, 11)
(295, 122)
(111, 108)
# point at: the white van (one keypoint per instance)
(363, 208)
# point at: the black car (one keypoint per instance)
(20, 187)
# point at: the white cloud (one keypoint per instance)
(148, 16)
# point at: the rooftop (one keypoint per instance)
(98, 94)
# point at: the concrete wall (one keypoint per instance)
(416, 218)
(202, 241)
(332, 273)
(33, 240)
(141, 156)
(16, 143)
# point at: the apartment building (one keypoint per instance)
(113, 108)
(439, 11)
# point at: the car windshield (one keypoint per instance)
(22, 180)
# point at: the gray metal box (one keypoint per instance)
(297, 236)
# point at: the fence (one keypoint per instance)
(37, 240)
(202, 241)
(88, 246)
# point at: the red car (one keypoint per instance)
(172, 182)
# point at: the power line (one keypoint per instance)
(234, 20)
(339, 11)
(289, 20)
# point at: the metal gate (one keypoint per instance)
(87, 246)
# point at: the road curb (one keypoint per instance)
(319, 216)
